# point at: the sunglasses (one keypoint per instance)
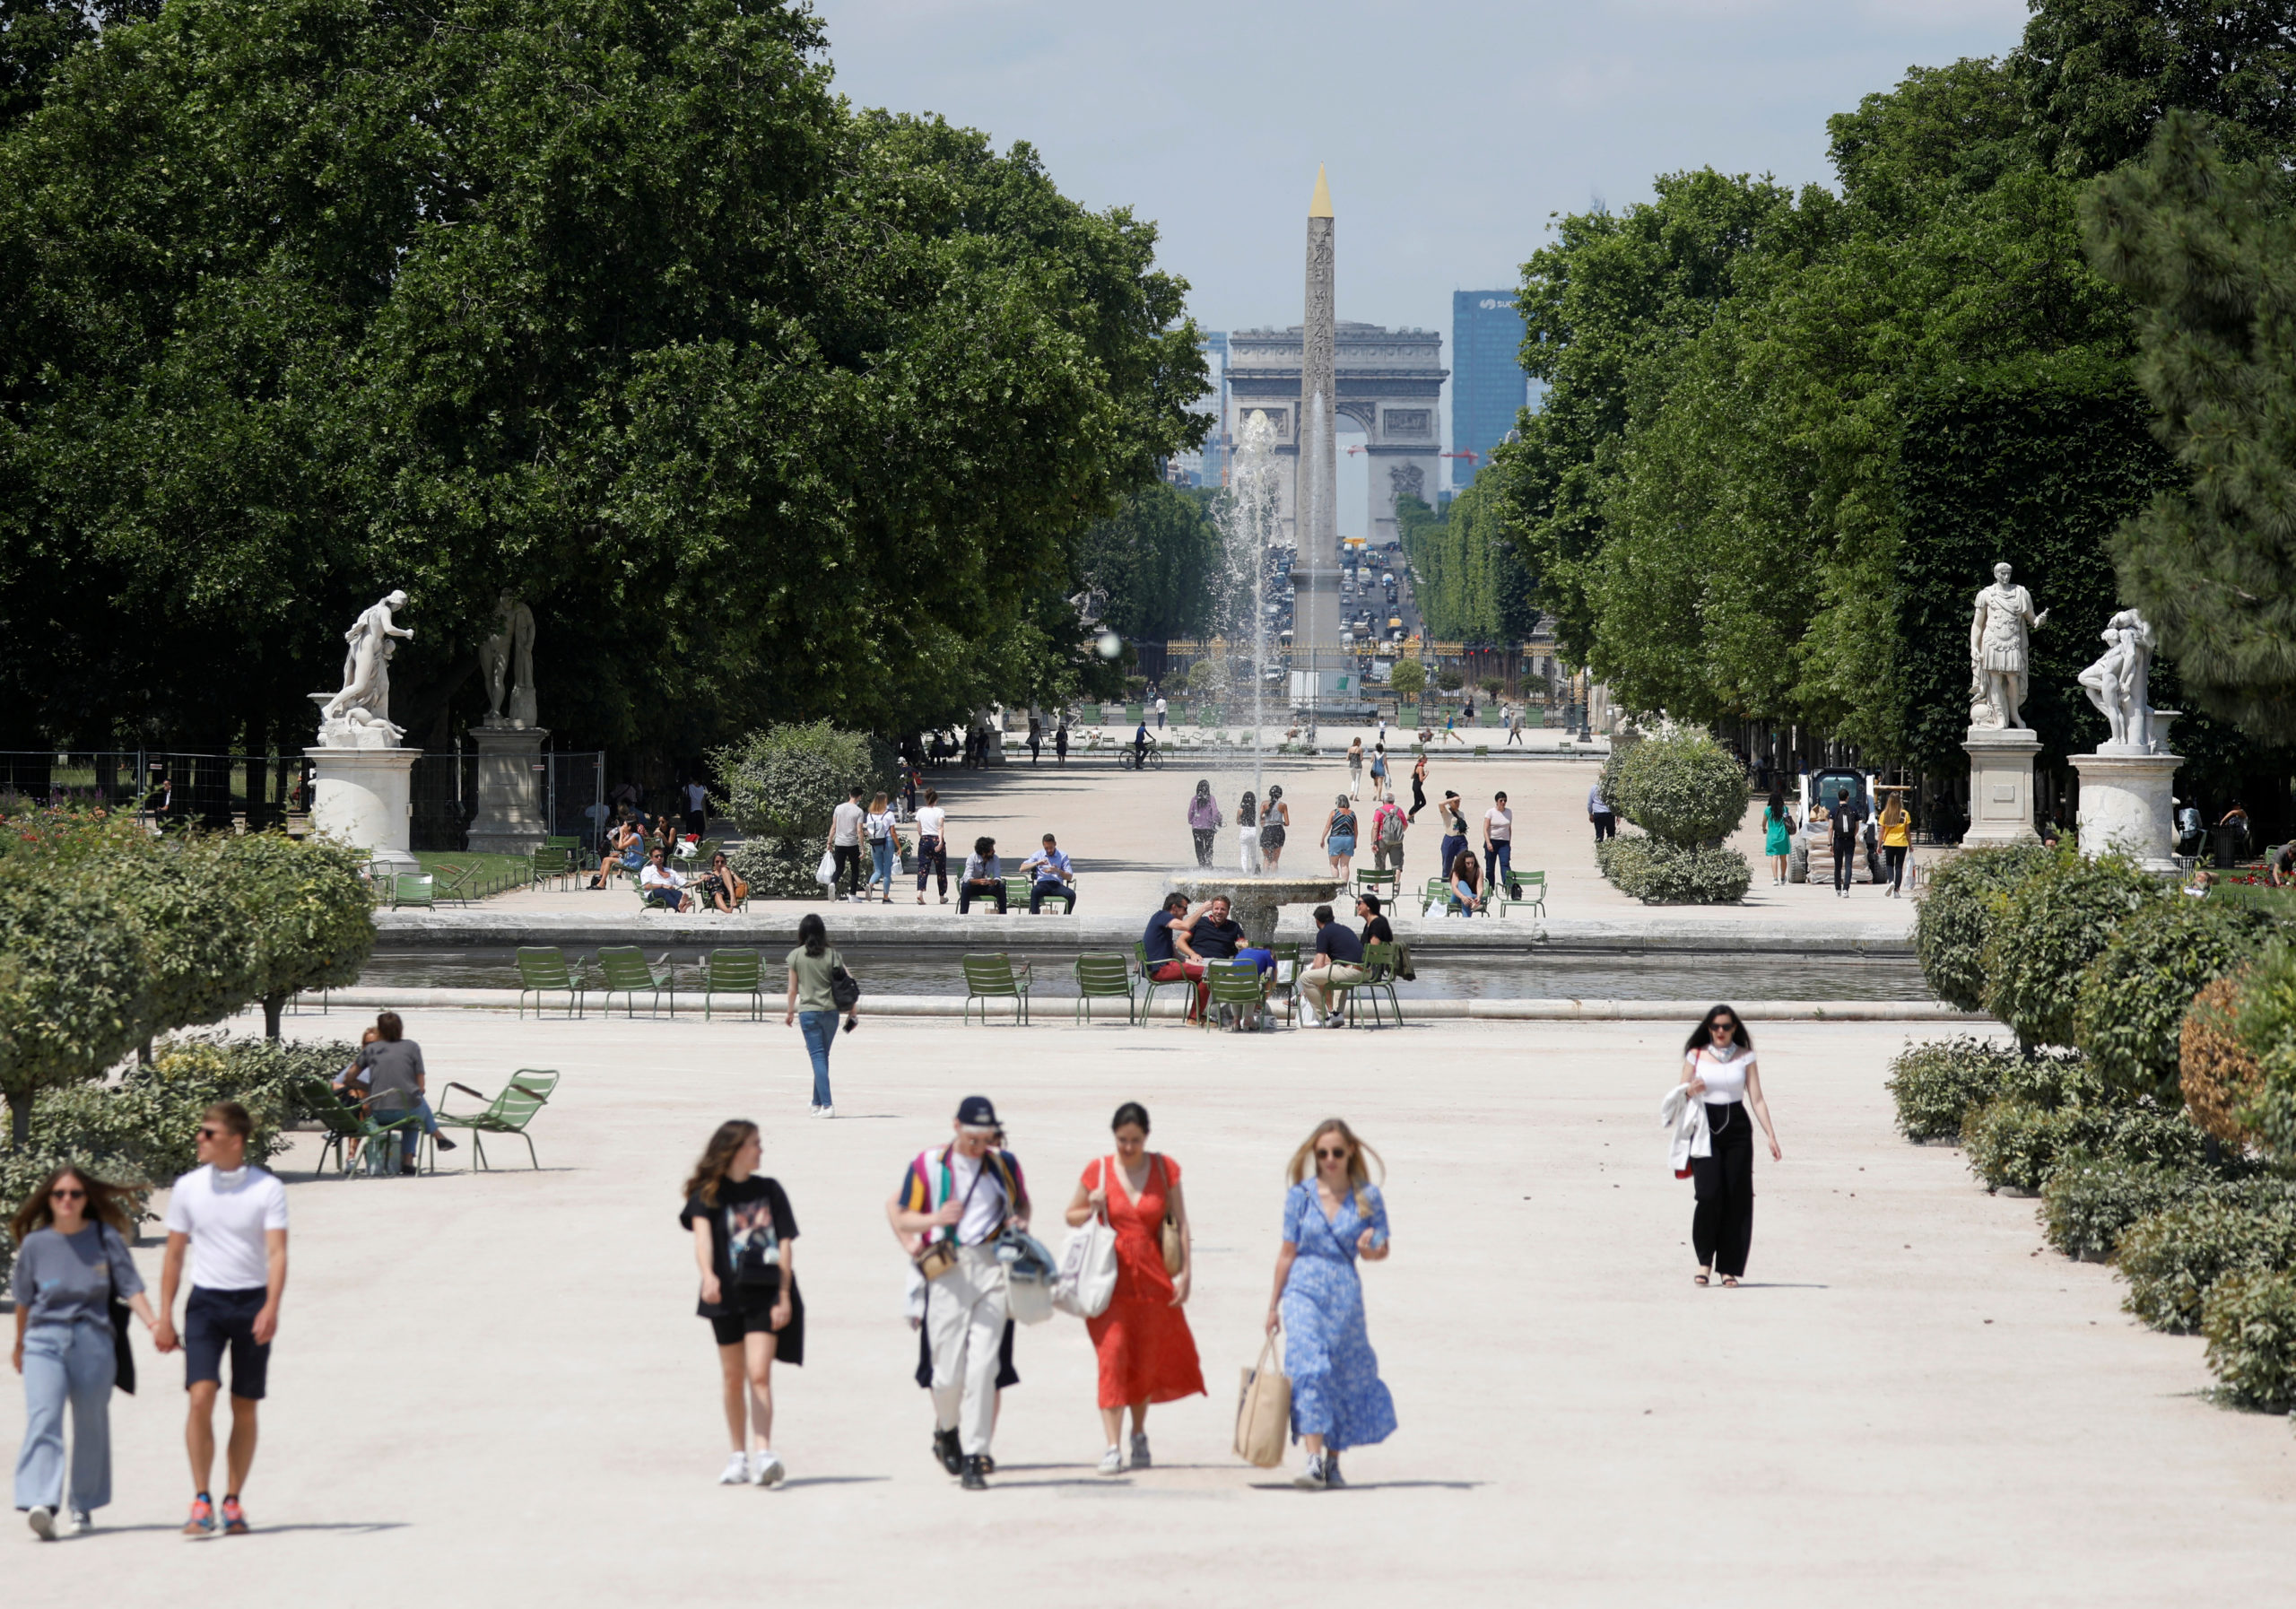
(1721, 1026)
(67, 1195)
(208, 1132)
(1331, 1156)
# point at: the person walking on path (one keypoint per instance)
(1499, 845)
(1146, 1351)
(1389, 822)
(960, 1196)
(1036, 738)
(1354, 768)
(932, 845)
(1720, 1069)
(1778, 835)
(1450, 728)
(813, 1002)
(1339, 837)
(1247, 834)
(1515, 726)
(1379, 770)
(72, 1264)
(1332, 1220)
(697, 807)
(1161, 707)
(1204, 820)
(1897, 840)
(877, 827)
(1418, 786)
(1273, 821)
(745, 1245)
(844, 844)
(1842, 837)
(984, 877)
(1599, 812)
(231, 1217)
(1453, 818)
(1060, 739)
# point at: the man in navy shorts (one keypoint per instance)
(232, 1215)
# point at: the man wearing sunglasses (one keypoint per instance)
(232, 1215)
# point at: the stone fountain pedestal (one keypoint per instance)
(1254, 901)
(2001, 785)
(510, 816)
(365, 797)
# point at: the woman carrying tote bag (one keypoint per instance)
(1146, 1351)
(1331, 1221)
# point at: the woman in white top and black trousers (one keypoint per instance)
(1720, 1068)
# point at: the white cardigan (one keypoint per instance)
(1687, 1117)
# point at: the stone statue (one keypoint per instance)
(2117, 684)
(358, 716)
(1999, 654)
(507, 658)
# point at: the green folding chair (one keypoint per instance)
(992, 976)
(345, 1126)
(1233, 983)
(1104, 976)
(507, 1113)
(733, 972)
(626, 973)
(550, 864)
(414, 887)
(1378, 973)
(1287, 975)
(543, 971)
(1534, 894)
(1150, 985)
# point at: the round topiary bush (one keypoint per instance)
(2220, 1079)
(2086, 1204)
(2053, 924)
(2128, 1017)
(2015, 1145)
(1936, 1085)
(2250, 1323)
(1965, 895)
(2172, 1258)
(1678, 785)
(2264, 1021)
(1658, 873)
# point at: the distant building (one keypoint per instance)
(1488, 386)
(1217, 446)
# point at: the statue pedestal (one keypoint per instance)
(2001, 785)
(510, 818)
(2128, 803)
(364, 797)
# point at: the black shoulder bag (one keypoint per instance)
(123, 1355)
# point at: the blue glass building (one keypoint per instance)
(1488, 385)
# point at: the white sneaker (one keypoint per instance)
(737, 1472)
(1338, 1019)
(813, 1111)
(83, 1522)
(1311, 1478)
(42, 1520)
(1112, 1461)
(829, 1111)
(768, 1471)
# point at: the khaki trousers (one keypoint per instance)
(1317, 983)
(965, 1318)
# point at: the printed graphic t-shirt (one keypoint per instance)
(747, 1227)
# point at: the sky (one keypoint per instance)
(1450, 129)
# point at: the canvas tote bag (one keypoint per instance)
(1263, 1411)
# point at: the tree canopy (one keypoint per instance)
(761, 401)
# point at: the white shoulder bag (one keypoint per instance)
(1088, 1262)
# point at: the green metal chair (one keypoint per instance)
(1233, 983)
(992, 976)
(1534, 894)
(460, 883)
(1287, 975)
(550, 864)
(507, 1113)
(1016, 893)
(1104, 975)
(625, 972)
(1377, 880)
(414, 887)
(1378, 973)
(733, 972)
(1018, 889)
(344, 1125)
(543, 971)
(1438, 892)
(1148, 985)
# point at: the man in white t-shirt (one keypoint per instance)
(1498, 847)
(932, 844)
(963, 1195)
(844, 844)
(232, 1216)
(1161, 707)
(697, 808)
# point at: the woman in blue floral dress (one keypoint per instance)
(1331, 1219)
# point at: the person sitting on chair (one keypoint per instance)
(720, 888)
(984, 877)
(663, 884)
(1466, 885)
(1053, 877)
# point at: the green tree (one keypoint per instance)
(308, 916)
(73, 983)
(1409, 678)
(1158, 561)
(2204, 246)
(1471, 582)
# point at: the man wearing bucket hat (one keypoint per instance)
(948, 1209)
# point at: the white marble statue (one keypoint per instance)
(2118, 685)
(2000, 658)
(507, 657)
(358, 715)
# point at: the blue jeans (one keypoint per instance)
(819, 1029)
(66, 1362)
(1498, 859)
(881, 865)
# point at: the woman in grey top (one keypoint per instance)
(812, 1006)
(71, 1255)
(391, 1068)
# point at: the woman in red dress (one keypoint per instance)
(1147, 1355)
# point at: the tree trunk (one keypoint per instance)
(271, 1007)
(20, 1119)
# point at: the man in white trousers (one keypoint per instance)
(951, 1203)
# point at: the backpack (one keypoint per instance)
(1391, 827)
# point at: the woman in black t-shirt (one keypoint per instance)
(744, 1240)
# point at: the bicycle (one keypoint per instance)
(1151, 759)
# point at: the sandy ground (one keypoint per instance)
(491, 1387)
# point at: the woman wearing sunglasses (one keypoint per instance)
(1719, 1069)
(1331, 1221)
(71, 1258)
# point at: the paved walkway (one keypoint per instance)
(491, 1389)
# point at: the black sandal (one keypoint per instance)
(1697, 1279)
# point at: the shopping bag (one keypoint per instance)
(1263, 1411)
(825, 873)
(1087, 1269)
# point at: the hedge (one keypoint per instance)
(1658, 873)
(2129, 1013)
(2014, 1144)
(2053, 924)
(1935, 1084)
(2088, 1203)
(2250, 1322)
(2265, 1022)
(2219, 1080)
(2171, 1258)
(1966, 895)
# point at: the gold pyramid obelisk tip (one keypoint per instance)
(1320, 206)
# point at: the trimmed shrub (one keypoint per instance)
(2086, 1204)
(786, 781)
(309, 916)
(2128, 1018)
(141, 1130)
(2053, 924)
(1937, 1084)
(777, 868)
(72, 982)
(2250, 1323)
(1966, 894)
(2172, 1258)
(1658, 873)
(1678, 785)
(2014, 1144)
(2219, 1078)
(2264, 1021)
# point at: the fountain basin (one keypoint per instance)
(1255, 901)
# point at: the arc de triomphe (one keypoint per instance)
(1390, 383)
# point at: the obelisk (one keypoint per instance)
(1315, 573)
